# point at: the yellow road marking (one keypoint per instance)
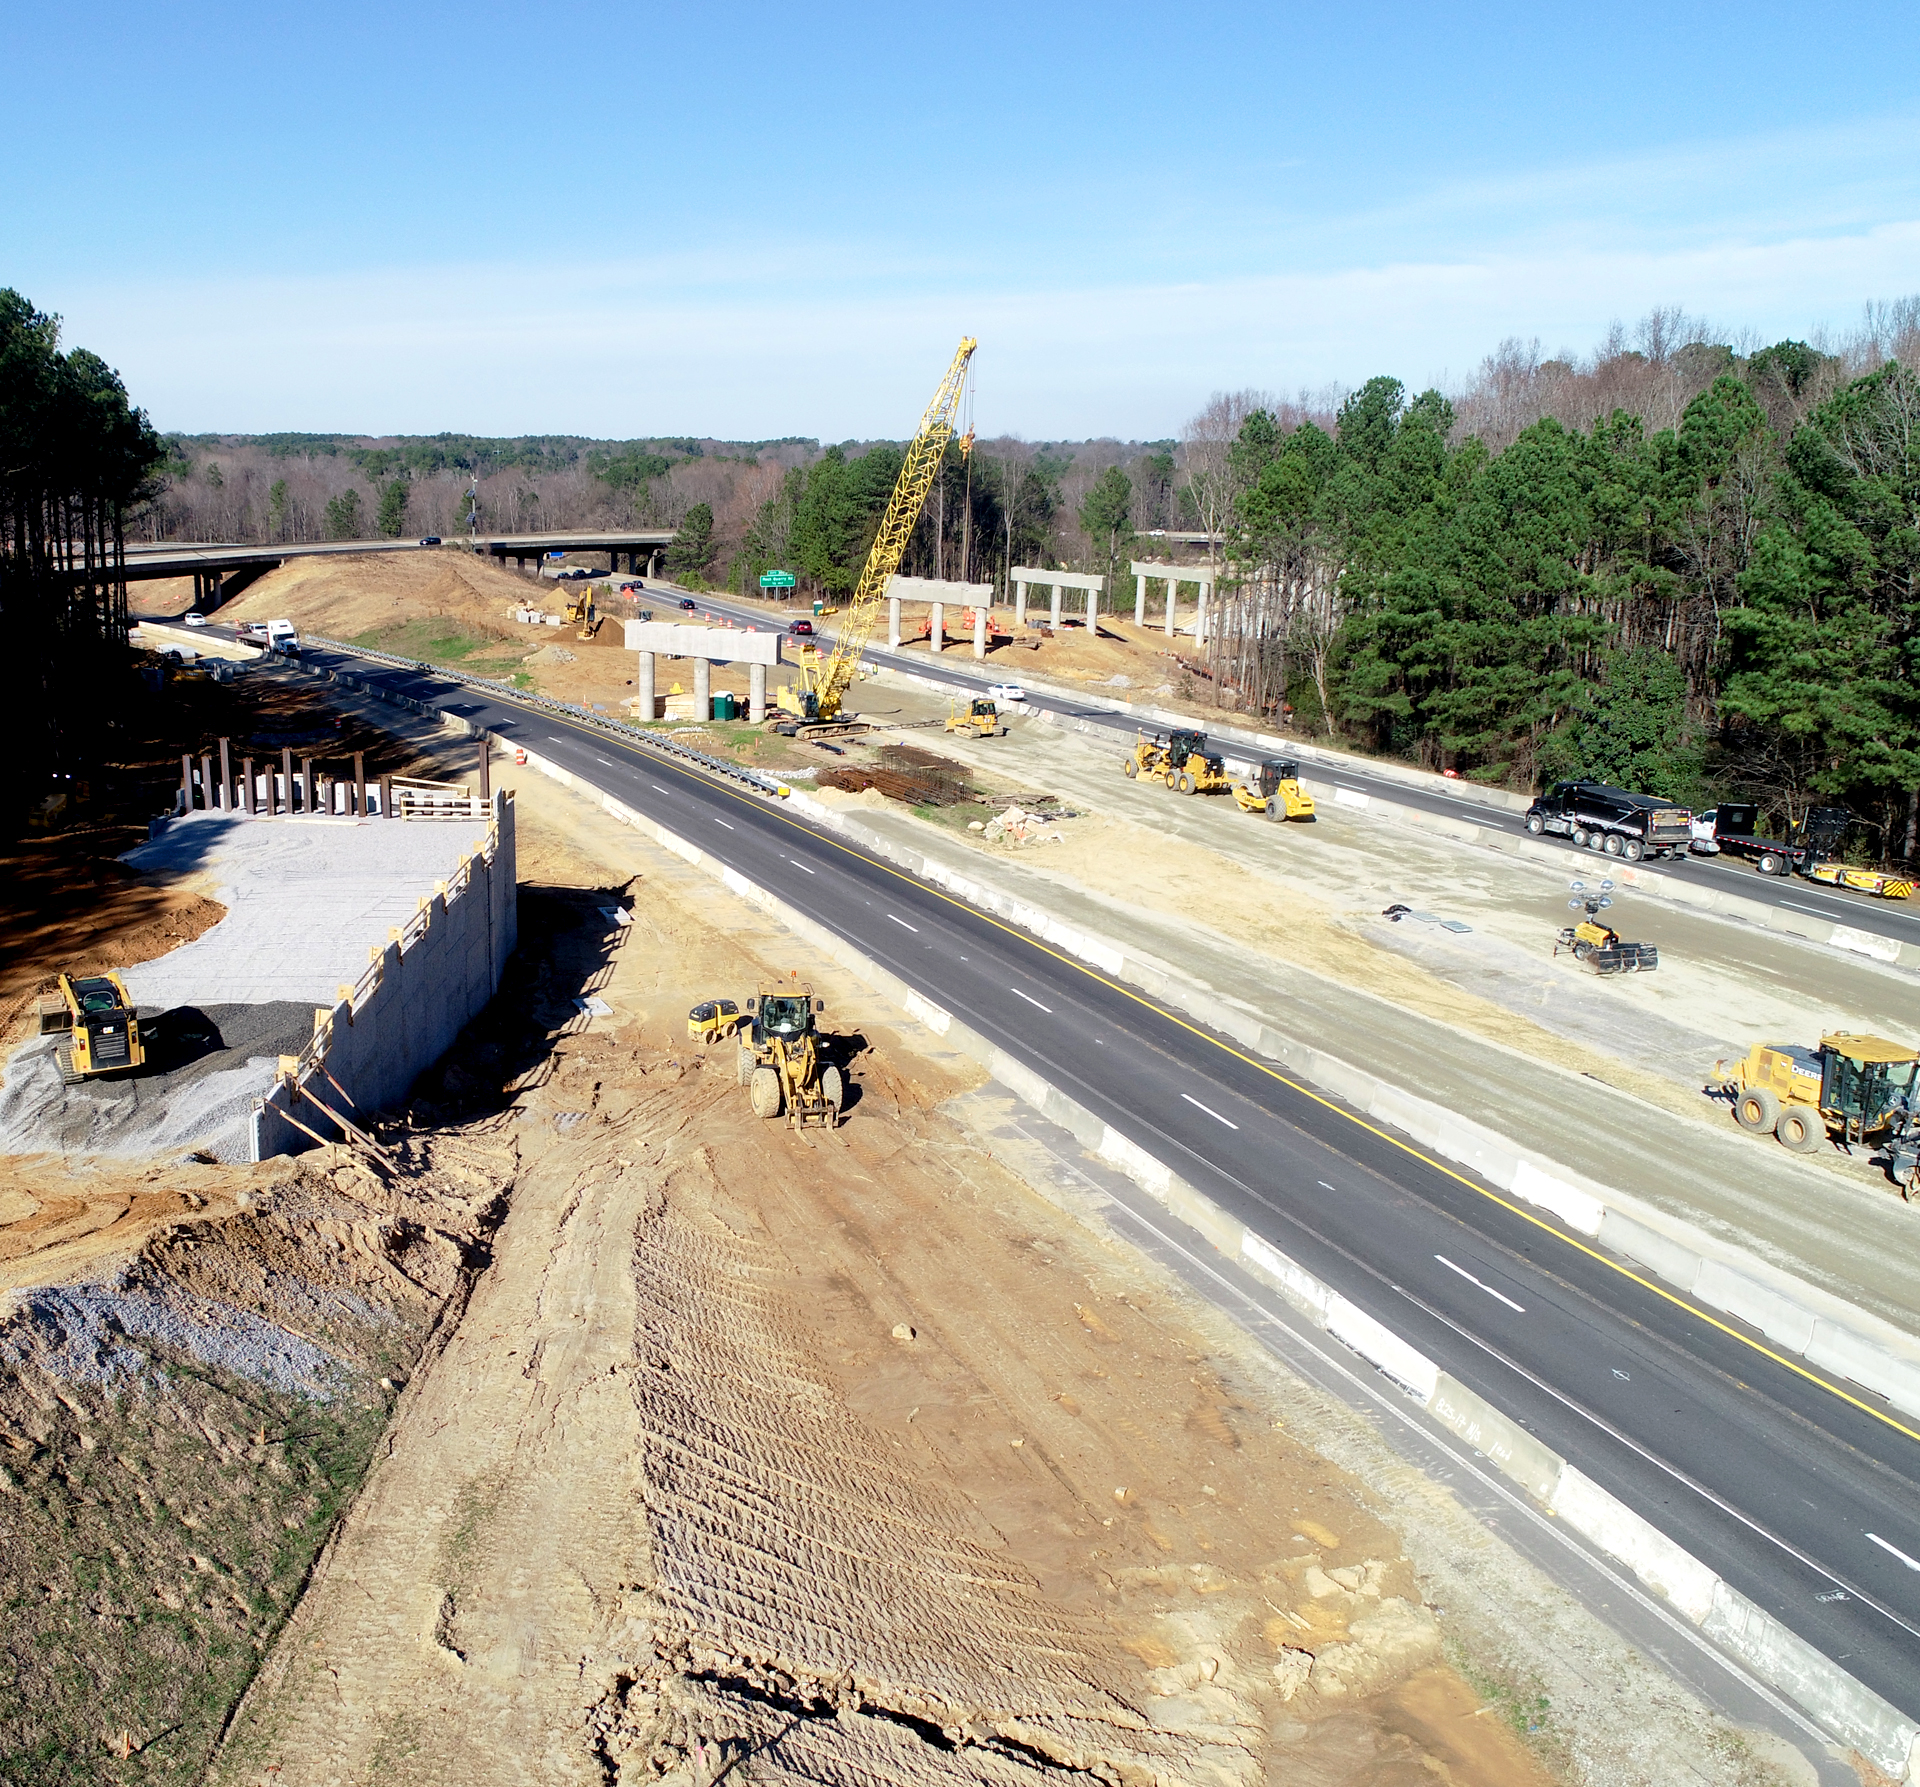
(1407, 1148)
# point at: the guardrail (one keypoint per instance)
(619, 730)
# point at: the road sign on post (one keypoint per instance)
(776, 580)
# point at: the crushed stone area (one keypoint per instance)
(185, 1413)
(306, 899)
(205, 1067)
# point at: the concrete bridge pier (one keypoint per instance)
(643, 688)
(1200, 620)
(893, 623)
(1140, 601)
(937, 628)
(979, 629)
(1170, 590)
(1020, 607)
(1056, 608)
(756, 693)
(702, 689)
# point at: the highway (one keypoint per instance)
(1898, 920)
(1800, 1491)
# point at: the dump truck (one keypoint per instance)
(1274, 791)
(980, 719)
(1615, 821)
(1850, 1089)
(99, 1020)
(1596, 944)
(781, 1062)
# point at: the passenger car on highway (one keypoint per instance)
(429, 539)
(1006, 692)
(196, 619)
(688, 603)
(801, 626)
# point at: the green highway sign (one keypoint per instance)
(776, 580)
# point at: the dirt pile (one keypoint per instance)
(347, 594)
(181, 1425)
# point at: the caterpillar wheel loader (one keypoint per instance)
(1850, 1089)
(981, 719)
(780, 1061)
(1597, 945)
(95, 1012)
(1274, 791)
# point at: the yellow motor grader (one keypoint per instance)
(780, 1060)
(1182, 761)
(1850, 1089)
(1274, 791)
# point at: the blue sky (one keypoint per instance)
(754, 220)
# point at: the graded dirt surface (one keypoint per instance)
(827, 1456)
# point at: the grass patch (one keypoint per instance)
(442, 639)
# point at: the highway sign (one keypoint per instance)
(776, 580)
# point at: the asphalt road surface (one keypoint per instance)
(1801, 1491)
(1895, 919)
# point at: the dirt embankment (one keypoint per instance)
(184, 1417)
(826, 1456)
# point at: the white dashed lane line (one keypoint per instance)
(1469, 1277)
(1215, 1115)
(1030, 999)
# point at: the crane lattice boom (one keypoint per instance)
(924, 456)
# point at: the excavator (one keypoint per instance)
(812, 702)
(581, 613)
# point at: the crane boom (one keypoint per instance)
(824, 689)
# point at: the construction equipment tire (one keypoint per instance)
(1579, 837)
(764, 1090)
(832, 1087)
(1769, 864)
(1756, 1109)
(743, 1065)
(69, 1074)
(1611, 843)
(1130, 768)
(1535, 824)
(1187, 784)
(1596, 842)
(1274, 809)
(1801, 1128)
(1634, 850)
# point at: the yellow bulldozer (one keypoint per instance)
(94, 1012)
(780, 1060)
(1850, 1089)
(1274, 790)
(980, 719)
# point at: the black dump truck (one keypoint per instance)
(1615, 821)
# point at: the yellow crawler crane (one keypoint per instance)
(814, 698)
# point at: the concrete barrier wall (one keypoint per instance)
(1844, 1707)
(411, 1003)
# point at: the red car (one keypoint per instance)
(801, 626)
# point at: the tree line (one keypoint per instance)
(1725, 606)
(75, 458)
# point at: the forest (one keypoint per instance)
(1679, 560)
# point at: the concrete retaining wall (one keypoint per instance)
(1846, 1708)
(432, 978)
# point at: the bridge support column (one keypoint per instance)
(653, 564)
(283, 790)
(1200, 619)
(1056, 608)
(756, 693)
(937, 628)
(644, 710)
(893, 622)
(702, 689)
(1020, 606)
(226, 777)
(1140, 601)
(980, 629)
(1171, 587)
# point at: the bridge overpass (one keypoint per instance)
(221, 569)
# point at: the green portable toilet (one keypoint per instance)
(724, 706)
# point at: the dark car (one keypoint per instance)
(688, 603)
(801, 626)
(429, 539)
